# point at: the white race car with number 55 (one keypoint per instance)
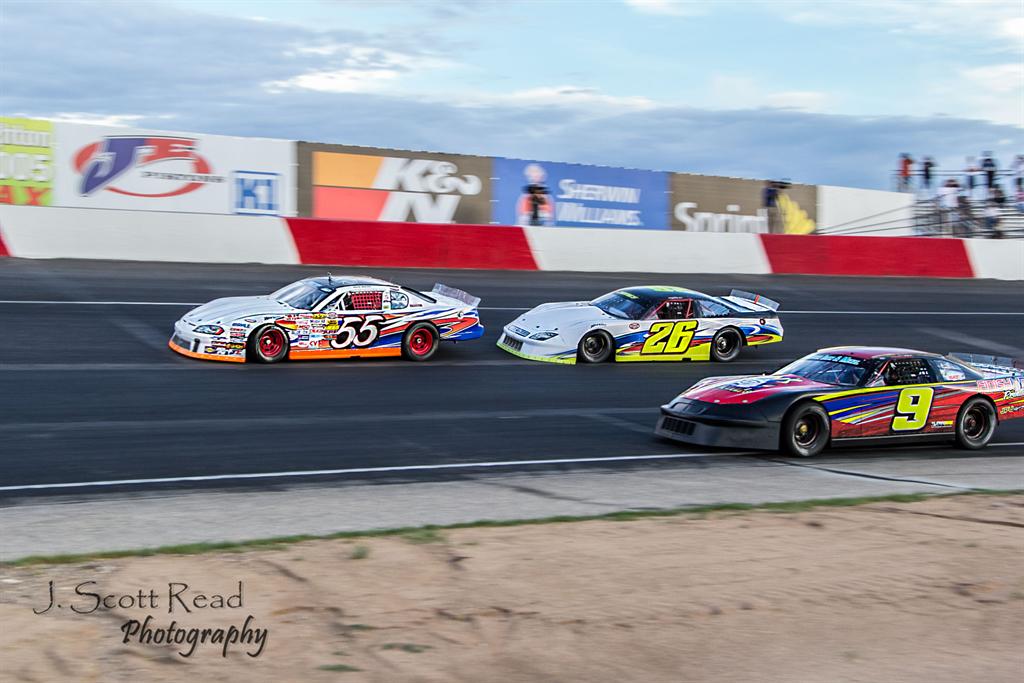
(649, 323)
(329, 317)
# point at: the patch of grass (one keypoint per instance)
(360, 627)
(360, 552)
(338, 667)
(406, 647)
(432, 533)
(427, 534)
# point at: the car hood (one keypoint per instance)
(230, 308)
(751, 388)
(560, 316)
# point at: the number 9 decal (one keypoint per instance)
(912, 409)
(365, 334)
(669, 337)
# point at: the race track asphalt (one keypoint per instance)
(90, 392)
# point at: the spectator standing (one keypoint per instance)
(948, 203)
(1018, 173)
(926, 173)
(906, 168)
(990, 167)
(970, 175)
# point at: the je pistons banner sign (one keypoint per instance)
(573, 195)
(124, 168)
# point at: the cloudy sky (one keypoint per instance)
(820, 91)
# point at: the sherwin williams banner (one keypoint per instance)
(370, 184)
(124, 168)
(26, 161)
(702, 203)
(574, 195)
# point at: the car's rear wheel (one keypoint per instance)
(726, 345)
(268, 344)
(806, 430)
(975, 424)
(420, 342)
(595, 347)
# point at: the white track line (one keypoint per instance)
(369, 470)
(782, 312)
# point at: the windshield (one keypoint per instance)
(302, 295)
(623, 305)
(844, 371)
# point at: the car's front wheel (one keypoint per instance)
(268, 344)
(975, 424)
(595, 347)
(805, 431)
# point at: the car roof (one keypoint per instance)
(346, 281)
(663, 291)
(866, 352)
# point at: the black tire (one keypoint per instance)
(975, 424)
(420, 342)
(267, 344)
(805, 431)
(726, 345)
(595, 347)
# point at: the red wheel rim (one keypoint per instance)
(421, 341)
(271, 343)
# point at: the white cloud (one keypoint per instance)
(356, 69)
(997, 78)
(978, 20)
(336, 81)
(559, 96)
(115, 120)
(678, 8)
(742, 92)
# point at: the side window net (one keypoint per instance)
(363, 301)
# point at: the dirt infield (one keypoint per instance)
(930, 591)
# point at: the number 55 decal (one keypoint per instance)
(669, 337)
(357, 331)
(912, 409)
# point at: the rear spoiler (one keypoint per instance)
(990, 363)
(457, 294)
(753, 302)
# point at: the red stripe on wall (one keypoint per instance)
(3, 249)
(344, 203)
(847, 255)
(411, 245)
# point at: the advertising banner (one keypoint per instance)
(124, 168)
(702, 203)
(575, 195)
(369, 184)
(26, 161)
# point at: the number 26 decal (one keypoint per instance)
(912, 408)
(357, 331)
(669, 337)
